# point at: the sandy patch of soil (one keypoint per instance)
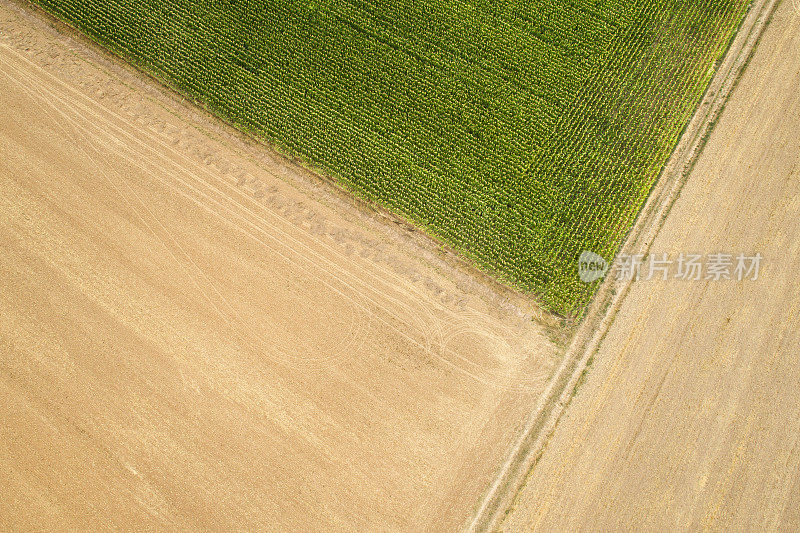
(196, 333)
(690, 417)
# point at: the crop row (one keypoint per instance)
(520, 132)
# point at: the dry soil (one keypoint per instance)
(690, 416)
(197, 334)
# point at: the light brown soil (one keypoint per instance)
(690, 416)
(543, 420)
(195, 333)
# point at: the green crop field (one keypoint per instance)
(520, 132)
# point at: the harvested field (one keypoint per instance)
(520, 132)
(196, 334)
(690, 416)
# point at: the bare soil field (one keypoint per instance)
(197, 334)
(690, 416)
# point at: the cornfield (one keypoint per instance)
(520, 132)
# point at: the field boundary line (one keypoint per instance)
(160, 90)
(501, 496)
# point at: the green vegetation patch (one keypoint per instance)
(521, 132)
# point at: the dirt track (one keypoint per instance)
(690, 417)
(195, 335)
